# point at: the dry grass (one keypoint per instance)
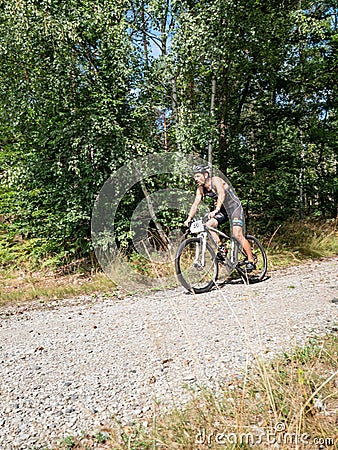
(295, 242)
(22, 286)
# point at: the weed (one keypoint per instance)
(68, 443)
(102, 438)
(20, 286)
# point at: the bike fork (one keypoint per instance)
(203, 237)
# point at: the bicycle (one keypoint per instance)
(197, 263)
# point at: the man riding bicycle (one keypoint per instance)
(226, 204)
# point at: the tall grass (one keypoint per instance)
(21, 286)
(296, 242)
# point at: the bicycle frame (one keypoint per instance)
(203, 235)
(233, 259)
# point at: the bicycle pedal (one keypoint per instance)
(250, 267)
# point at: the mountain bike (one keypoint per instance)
(197, 259)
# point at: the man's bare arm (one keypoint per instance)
(194, 206)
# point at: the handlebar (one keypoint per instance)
(204, 219)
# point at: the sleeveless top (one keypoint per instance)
(231, 204)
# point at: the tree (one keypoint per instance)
(66, 89)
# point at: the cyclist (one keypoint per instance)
(226, 204)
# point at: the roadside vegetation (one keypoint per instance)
(296, 242)
(290, 402)
(23, 278)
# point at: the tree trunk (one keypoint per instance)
(212, 114)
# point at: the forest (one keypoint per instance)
(87, 86)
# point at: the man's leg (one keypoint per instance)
(213, 223)
(237, 233)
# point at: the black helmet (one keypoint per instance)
(202, 169)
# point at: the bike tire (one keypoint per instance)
(195, 279)
(259, 254)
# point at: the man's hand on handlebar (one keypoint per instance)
(212, 214)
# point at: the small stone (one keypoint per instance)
(39, 349)
(318, 404)
(189, 378)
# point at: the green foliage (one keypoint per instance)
(275, 108)
(102, 438)
(68, 443)
(65, 83)
(82, 92)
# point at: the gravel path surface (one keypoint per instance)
(70, 366)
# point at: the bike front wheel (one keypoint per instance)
(260, 258)
(196, 271)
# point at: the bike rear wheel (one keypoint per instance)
(195, 275)
(260, 258)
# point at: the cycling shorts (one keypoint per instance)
(236, 218)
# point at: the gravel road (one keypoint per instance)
(72, 365)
